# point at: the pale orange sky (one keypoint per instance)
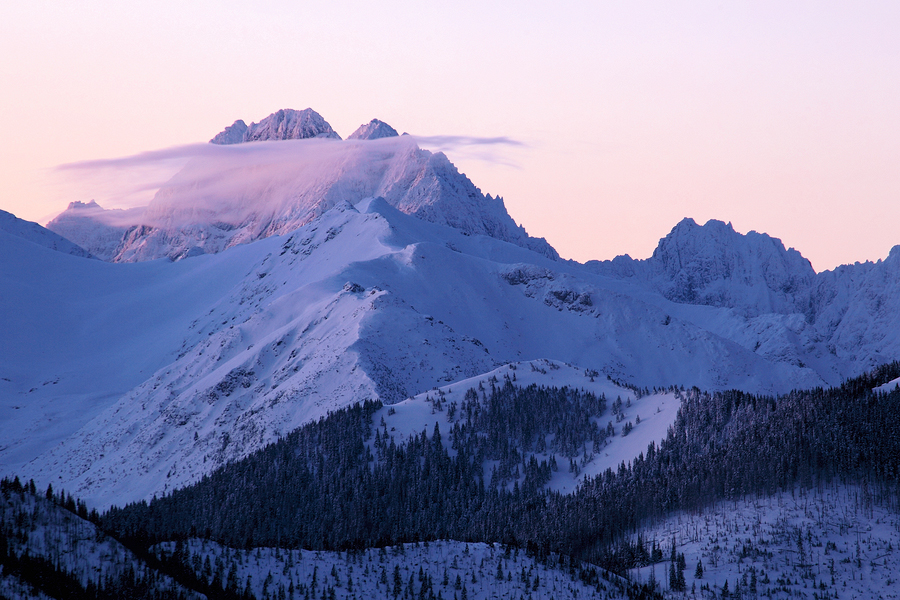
(777, 116)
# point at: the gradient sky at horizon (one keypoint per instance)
(779, 117)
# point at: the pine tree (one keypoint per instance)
(398, 581)
(681, 583)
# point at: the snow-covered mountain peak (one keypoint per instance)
(247, 192)
(233, 134)
(285, 124)
(94, 228)
(700, 261)
(726, 251)
(79, 205)
(713, 264)
(373, 130)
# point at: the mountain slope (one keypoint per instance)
(94, 228)
(857, 310)
(839, 322)
(47, 549)
(34, 233)
(363, 302)
(286, 124)
(246, 192)
(80, 333)
(422, 570)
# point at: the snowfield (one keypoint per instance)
(452, 569)
(836, 542)
(132, 379)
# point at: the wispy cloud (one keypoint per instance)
(228, 179)
(176, 154)
(457, 141)
(152, 157)
(494, 150)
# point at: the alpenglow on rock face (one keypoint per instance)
(285, 124)
(373, 130)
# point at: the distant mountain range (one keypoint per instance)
(302, 273)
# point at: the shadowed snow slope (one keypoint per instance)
(130, 379)
(36, 234)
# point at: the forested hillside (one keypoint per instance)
(325, 487)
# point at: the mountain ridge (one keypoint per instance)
(295, 168)
(371, 268)
(284, 124)
(363, 302)
(34, 233)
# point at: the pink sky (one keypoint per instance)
(777, 116)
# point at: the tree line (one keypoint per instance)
(325, 487)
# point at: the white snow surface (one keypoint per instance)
(127, 380)
(36, 234)
(890, 386)
(850, 546)
(359, 574)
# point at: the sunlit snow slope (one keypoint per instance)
(130, 379)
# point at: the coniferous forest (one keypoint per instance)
(343, 483)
